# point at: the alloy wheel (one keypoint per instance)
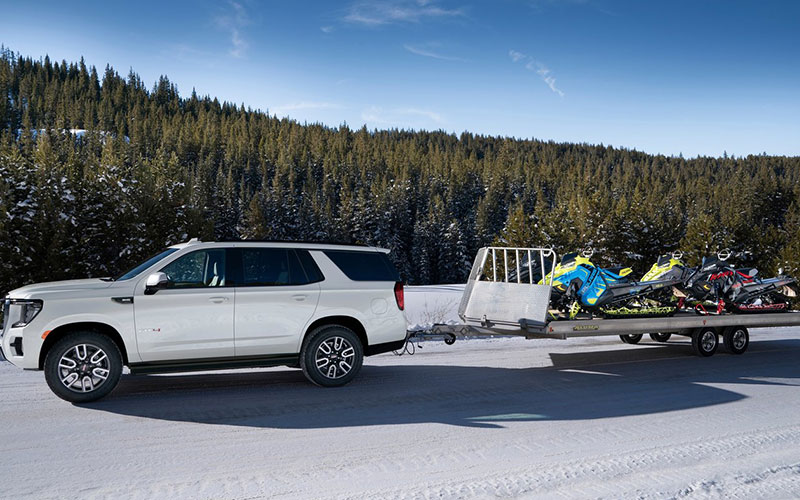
(708, 341)
(84, 368)
(739, 339)
(334, 357)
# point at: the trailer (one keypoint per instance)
(508, 293)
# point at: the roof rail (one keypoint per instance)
(267, 240)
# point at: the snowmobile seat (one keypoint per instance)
(618, 272)
(749, 272)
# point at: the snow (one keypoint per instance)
(583, 418)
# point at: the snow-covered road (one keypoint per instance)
(482, 418)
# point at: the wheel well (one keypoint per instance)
(345, 321)
(58, 333)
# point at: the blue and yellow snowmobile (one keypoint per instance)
(579, 285)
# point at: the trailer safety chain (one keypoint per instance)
(415, 338)
(408, 348)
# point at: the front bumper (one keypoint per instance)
(15, 349)
(13, 346)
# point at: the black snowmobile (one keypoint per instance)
(737, 290)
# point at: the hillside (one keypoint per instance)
(154, 168)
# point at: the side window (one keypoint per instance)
(203, 268)
(364, 265)
(271, 267)
(313, 272)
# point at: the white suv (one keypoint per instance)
(205, 306)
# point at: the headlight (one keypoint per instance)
(29, 308)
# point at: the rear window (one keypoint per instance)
(364, 266)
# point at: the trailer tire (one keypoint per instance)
(705, 341)
(736, 339)
(660, 337)
(632, 338)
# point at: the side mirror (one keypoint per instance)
(155, 282)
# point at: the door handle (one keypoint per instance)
(218, 300)
(299, 298)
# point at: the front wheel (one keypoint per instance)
(83, 367)
(631, 339)
(332, 356)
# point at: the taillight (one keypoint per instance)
(399, 295)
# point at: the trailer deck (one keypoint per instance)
(505, 296)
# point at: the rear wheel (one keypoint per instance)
(631, 339)
(660, 337)
(705, 341)
(83, 367)
(736, 339)
(332, 356)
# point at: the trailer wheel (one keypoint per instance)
(631, 339)
(449, 339)
(705, 341)
(736, 339)
(660, 337)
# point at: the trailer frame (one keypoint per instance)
(496, 304)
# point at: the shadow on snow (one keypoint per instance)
(644, 380)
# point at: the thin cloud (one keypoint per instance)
(516, 56)
(426, 50)
(233, 21)
(537, 67)
(395, 116)
(430, 115)
(382, 12)
(326, 29)
(303, 105)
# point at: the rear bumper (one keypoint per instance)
(385, 347)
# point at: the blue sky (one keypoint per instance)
(677, 77)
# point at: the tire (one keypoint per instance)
(736, 339)
(327, 353)
(75, 366)
(660, 337)
(631, 339)
(705, 342)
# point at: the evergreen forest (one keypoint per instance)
(99, 171)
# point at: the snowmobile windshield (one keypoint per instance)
(711, 261)
(568, 258)
(663, 260)
(144, 265)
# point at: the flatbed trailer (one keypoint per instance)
(500, 299)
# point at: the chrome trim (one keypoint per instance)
(6, 311)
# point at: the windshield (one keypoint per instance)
(144, 265)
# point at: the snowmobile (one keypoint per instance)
(669, 266)
(737, 290)
(580, 285)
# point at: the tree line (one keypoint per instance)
(99, 171)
